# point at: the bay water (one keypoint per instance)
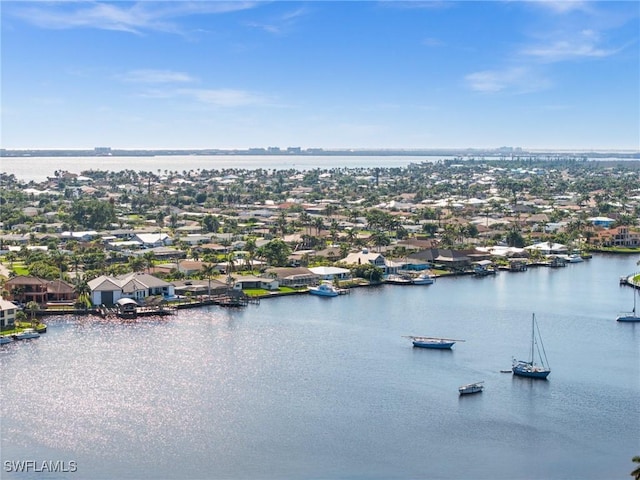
(304, 387)
(39, 168)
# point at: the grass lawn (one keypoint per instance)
(618, 249)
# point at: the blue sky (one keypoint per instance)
(208, 74)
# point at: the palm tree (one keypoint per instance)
(60, 260)
(83, 291)
(148, 258)
(208, 271)
(32, 307)
(380, 239)
(636, 472)
(136, 263)
(230, 266)
(250, 247)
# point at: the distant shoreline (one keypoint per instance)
(506, 153)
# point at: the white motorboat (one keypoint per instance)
(26, 334)
(324, 290)
(476, 387)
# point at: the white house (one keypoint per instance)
(85, 236)
(137, 286)
(331, 273)
(153, 239)
(365, 256)
(7, 313)
(548, 248)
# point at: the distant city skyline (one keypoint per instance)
(542, 75)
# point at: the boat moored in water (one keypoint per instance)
(433, 342)
(396, 279)
(26, 334)
(423, 279)
(530, 368)
(326, 289)
(476, 387)
(631, 316)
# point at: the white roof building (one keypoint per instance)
(330, 273)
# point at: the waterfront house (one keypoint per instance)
(292, 276)
(331, 273)
(621, 236)
(548, 248)
(199, 287)
(60, 291)
(414, 264)
(108, 290)
(26, 288)
(365, 256)
(452, 259)
(8, 312)
(249, 281)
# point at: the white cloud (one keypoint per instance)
(512, 80)
(133, 18)
(559, 50)
(563, 6)
(155, 76)
(281, 24)
(225, 97)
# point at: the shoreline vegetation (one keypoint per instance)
(447, 217)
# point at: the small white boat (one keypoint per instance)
(4, 339)
(26, 334)
(396, 279)
(433, 342)
(423, 279)
(471, 388)
(324, 290)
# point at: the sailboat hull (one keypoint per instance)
(432, 344)
(528, 371)
(628, 318)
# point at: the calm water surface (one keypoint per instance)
(39, 168)
(308, 387)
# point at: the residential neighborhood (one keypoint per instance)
(94, 237)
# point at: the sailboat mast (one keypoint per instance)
(533, 335)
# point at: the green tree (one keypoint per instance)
(636, 472)
(275, 253)
(136, 263)
(32, 307)
(148, 258)
(83, 291)
(380, 239)
(209, 271)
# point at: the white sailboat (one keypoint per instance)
(631, 316)
(530, 368)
